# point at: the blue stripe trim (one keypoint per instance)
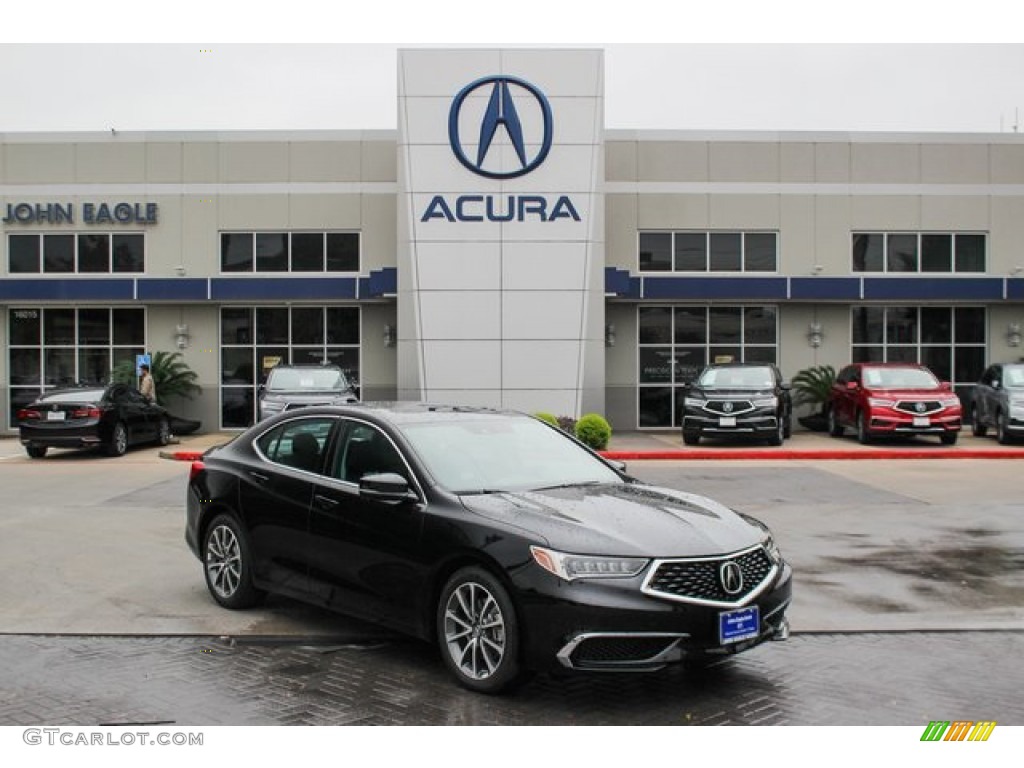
(933, 288)
(825, 288)
(1015, 289)
(172, 289)
(68, 289)
(740, 288)
(282, 288)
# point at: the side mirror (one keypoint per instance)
(852, 385)
(387, 487)
(786, 386)
(995, 383)
(619, 466)
(946, 385)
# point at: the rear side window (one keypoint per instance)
(300, 444)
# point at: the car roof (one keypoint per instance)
(410, 412)
(889, 365)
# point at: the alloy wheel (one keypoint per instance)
(474, 631)
(223, 562)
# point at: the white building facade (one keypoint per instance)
(502, 247)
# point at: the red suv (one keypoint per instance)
(880, 399)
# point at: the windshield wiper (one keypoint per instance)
(569, 485)
(480, 492)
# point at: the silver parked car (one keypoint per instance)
(999, 402)
(298, 386)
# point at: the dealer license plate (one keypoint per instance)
(922, 421)
(55, 415)
(727, 421)
(739, 625)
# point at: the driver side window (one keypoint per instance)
(367, 451)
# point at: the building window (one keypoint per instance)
(675, 343)
(951, 341)
(55, 347)
(708, 251)
(919, 252)
(295, 252)
(255, 339)
(83, 253)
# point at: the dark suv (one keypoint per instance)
(298, 386)
(738, 400)
(893, 399)
(999, 402)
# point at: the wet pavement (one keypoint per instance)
(836, 679)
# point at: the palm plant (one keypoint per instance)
(172, 376)
(811, 386)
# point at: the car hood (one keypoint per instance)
(906, 394)
(308, 396)
(731, 392)
(621, 519)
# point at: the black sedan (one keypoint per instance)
(493, 534)
(112, 418)
(747, 400)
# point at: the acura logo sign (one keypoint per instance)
(731, 577)
(516, 111)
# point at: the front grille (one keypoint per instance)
(729, 407)
(919, 407)
(619, 650)
(700, 580)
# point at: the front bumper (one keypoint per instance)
(885, 421)
(610, 625)
(761, 423)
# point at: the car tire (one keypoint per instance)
(691, 438)
(779, 435)
(478, 631)
(948, 438)
(227, 564)
(163, 432)
(118, 444)
(35, 451)
(788, 433)
(978, 429)
(864, 436)
(835, 429)
(1002, 433)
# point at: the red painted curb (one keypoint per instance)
(895, 453)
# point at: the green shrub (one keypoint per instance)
(593, 430)
(550, 418)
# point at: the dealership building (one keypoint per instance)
(502, 247)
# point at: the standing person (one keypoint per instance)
(146, 384)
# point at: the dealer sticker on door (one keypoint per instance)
(739, 625)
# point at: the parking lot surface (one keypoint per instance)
(908, 607)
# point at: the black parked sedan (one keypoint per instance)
(749, 400)
(499, 537)
(112, 418)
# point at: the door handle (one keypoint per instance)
(325, 502)
(260, 479)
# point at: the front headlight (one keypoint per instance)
(949, 402)
(272, 406)
(570, 567)
(773, 550)
(878, 402)
(693, 402)
(766, 402)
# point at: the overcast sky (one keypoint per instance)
(775, 79)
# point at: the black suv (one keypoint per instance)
(298, 386)
(999, 402)
(738, 400)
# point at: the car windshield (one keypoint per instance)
(75, 396)
(900, 378)
(755, 377)
(292, 379)
(494, 453)
(1013, 376)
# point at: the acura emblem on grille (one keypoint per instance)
(919, 407)
(727, 407)
(731, 577)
